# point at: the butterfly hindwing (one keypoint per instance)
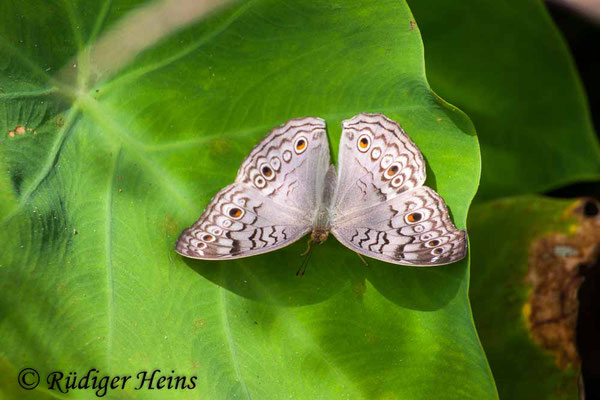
(240, 222)
(272, 201)
(413, 228)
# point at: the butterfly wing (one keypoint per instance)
(289, 165)
(377, 161)
(240, 222)
(272, 201)
(381, 208)
(413, 228)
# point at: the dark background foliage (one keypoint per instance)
(583, 37)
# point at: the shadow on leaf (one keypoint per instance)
(271, 278)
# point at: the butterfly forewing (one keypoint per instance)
(377, 161)
(381, 208)
(289, 164)
(273, 200)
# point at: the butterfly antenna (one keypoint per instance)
(304, 264)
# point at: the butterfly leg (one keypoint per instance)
(362, 259)
(307, 248)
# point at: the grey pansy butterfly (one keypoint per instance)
(376, 204)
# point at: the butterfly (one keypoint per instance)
(376, 203)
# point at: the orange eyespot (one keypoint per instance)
(363, 144)
(414, 217)
(235, 213)
(433, 243)
(392, 170)
(438, 250)
(300, 145)
(267, 171)
(208, 238)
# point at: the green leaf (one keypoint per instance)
(505, 64)
(131, 142)
(502, 233)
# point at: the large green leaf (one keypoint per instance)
(505, 64)
(128, 150)
(502, 233)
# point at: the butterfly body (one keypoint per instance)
(375, 203)
(321, 228)
(322, 219)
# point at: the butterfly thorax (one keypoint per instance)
(321, 227)
(321, 222)
(319, 236)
